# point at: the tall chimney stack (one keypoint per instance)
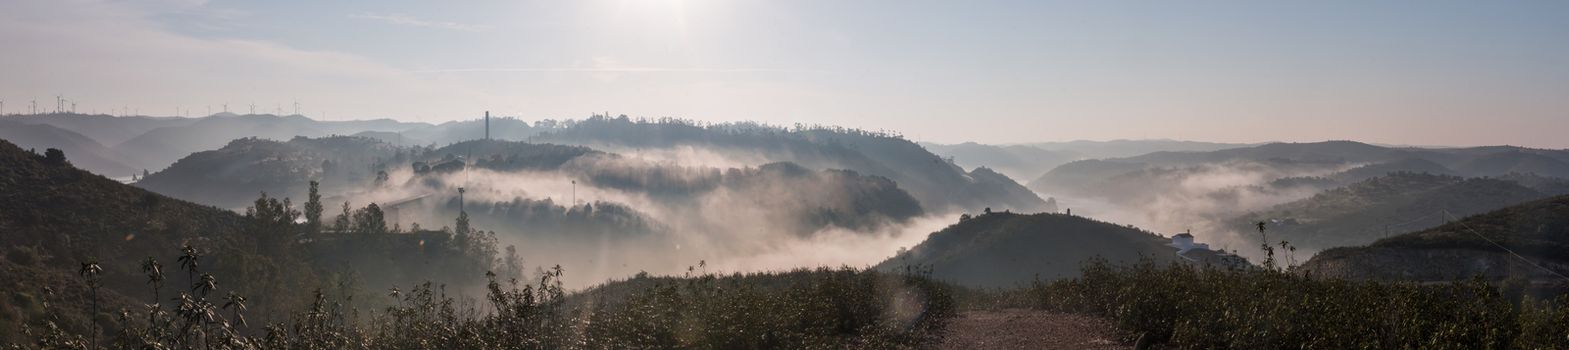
(487, 125)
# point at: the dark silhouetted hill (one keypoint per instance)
(1538, 231)
(1006, 249)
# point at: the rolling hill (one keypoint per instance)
(1366, 211)
(105, 129)
(83, 151)
(1015, 161)
(56, 217)
(160, 147)
(235, 174)
(939, 185)
(1002, 249)
(1537, 231)
(1337, 155)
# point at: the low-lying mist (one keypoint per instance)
(663, 212)
(1199, 198)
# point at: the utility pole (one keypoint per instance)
(487, 125)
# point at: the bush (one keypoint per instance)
(1193, 307)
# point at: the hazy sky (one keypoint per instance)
(1410, 72)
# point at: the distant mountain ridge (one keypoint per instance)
(81, 150)
(1028, 161)
(154, 143)
(1336, 156)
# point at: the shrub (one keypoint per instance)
(1194, 307)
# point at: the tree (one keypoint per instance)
(341, 225)
(463, 223)
(370, 220)
(54, 156)
(313, 209)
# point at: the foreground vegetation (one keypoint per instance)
(1185, 306)
(801, 309)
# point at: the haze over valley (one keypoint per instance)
(707, 174)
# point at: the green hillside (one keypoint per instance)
(1366, 211)
(1538, 231)
(1007, 250)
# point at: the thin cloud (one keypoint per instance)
(406, 20)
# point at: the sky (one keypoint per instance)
(1397, 72)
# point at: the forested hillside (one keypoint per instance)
(57, 219)
(1001, 249)
(1527, 241)
(1376, 208)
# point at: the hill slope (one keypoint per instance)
(105, 129)
(1363, 212)
(1538, 231)
(1006, 249)
(160, 147)
(232, 176)
(55, 217)
(1334, 157)
(81, 150)
(938, 185)
(1015, 161)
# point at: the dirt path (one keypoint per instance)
(1028, 329)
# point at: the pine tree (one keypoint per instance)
(313, 209)
(342, 223)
